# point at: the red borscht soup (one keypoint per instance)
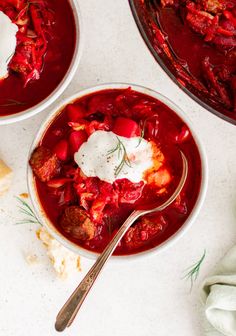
(104, 155)
(39, 38)
(196, 41)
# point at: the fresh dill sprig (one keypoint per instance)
(25, 209)
(142, 132)
(12, 102)
(193, 271)
(122, 154)
(117, 148)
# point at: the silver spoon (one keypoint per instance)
(70, 309)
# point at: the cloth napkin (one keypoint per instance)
(219, 297)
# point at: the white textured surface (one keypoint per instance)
(146, 297)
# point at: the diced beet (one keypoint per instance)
(101, 103)
(128, 192)
(77, 138)
(75, 112)
(183, 135)
(126, 127)
(62, 150)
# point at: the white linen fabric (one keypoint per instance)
(219, 297)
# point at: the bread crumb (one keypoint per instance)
(24, 195)
(32, 259)
(63, 260)
(6, 175)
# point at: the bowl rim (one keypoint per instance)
(40, 213)
(168, 72)
(66, 80)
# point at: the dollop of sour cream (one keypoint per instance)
(111, 157)
(8, 31)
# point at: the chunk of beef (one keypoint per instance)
(75, 222)
(44, 163)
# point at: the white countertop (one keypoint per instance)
(146, 297)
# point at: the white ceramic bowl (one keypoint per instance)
(65, 81)
(39, 211)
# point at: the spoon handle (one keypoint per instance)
(70, 309)
(68, 312)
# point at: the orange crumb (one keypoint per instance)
(24, 195)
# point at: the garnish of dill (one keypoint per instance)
(12, 102)
(192, 272)
(25, 209)
(142, 133)
(122, 155)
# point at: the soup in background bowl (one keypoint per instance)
(38, 56)
(194, 42)
(105, 152)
